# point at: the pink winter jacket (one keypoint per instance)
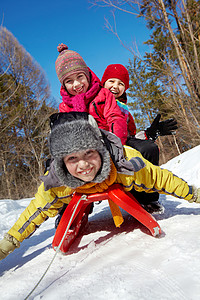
(103, 107)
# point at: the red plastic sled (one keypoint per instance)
(76, 214)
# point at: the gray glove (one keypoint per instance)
(8, 245)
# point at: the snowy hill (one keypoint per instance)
(110, 263)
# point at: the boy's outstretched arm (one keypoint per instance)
(46, 204)
(150, 178)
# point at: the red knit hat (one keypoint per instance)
(69, 62)
(116, 71)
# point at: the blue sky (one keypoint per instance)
(40, 25)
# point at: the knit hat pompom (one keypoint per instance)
(73, 132)
(62, 47)
(116, 71)
(69, 62)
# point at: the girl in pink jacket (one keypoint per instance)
(81, 91)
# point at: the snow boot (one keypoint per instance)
(149, 201)
(154, 207)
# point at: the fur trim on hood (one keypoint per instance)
(76, 132)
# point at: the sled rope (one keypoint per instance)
(83, 197)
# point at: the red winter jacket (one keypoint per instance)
(122, 103)
(103, 107)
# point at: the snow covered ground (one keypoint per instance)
(110, 263)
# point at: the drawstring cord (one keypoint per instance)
(83, 197)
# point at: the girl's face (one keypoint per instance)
(76, 83)
(116, 86)
(83, 164)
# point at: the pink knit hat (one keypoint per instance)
(116, 71)
(68, 63)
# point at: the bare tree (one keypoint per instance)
(25, 109)
(174, 61)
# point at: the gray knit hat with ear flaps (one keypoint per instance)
(73, 136)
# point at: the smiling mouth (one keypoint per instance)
(86, 172)
(114, 92)
(79, 90)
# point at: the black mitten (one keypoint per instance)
(162, 128)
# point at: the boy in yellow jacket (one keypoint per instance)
(89, 160)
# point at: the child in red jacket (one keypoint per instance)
(81, 91)
(116, 80)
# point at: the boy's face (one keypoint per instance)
(116, 86)
(83, 164)
(76, 83)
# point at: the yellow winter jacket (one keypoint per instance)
(147, 177)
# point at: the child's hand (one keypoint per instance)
(162, 128)
(6, 247)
